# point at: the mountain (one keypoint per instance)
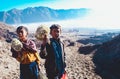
(40, 14)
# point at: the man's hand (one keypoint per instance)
(45, 40)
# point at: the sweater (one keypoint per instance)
(28, 53)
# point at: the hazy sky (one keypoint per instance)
(104, 13)
(56, 4)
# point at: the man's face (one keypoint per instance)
(55, 33)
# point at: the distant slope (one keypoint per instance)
(98, 39)
(6, 32)
(107, 59)
(40, 14)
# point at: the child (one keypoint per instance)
(53, 51)
(28, 57)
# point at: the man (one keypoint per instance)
(53, 51)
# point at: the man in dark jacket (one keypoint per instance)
(53, 51)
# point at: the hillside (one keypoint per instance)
(79, 66)
(107, 59)
(9, 67)
(83, 61)
(40, 14)
(6, 32)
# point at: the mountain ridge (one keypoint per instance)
(40, 14)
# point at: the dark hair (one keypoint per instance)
(55, 26)
(21, 27)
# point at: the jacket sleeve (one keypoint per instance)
(64, 56)
(43, 52)
(14, 53)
